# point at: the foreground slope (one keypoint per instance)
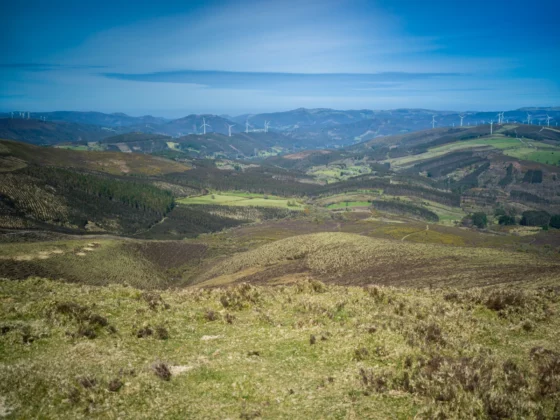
(302, 351)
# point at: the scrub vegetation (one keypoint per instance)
(303, 350)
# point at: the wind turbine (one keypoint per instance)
(548, 118)
(491, 124)
(433, 121)
(461, 116)
(204, 125)
(528, 118)
(229, 128)
(266, 125)
(247, 126)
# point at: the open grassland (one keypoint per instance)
(101, 261)
(307, 350)
(96, 262)
(354, 259)
(549, 155)
(518, 148)
(243, 199)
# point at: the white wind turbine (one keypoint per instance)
(433, 121)
(204, 125)
(548, 118)
(461, 116)
(266, 125)
(491, 124)
(247, 125)
(528, 118)
(229, 128)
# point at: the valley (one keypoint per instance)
(195, 274)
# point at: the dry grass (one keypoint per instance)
(308, 350)
(354, 259)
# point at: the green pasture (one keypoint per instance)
(242, 199)
(519, 148)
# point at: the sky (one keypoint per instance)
(174, 58)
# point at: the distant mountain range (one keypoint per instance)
(308, 128)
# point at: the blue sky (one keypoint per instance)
(180, 57)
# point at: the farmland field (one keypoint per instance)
(549, 155)
(519, 148)
(242, 199)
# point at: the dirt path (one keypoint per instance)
(418, 231)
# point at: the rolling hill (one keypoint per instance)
(48, 133)
(309, 128)
(90, 118)
(353, 259)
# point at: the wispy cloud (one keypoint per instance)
(270, 81)
(47, 67)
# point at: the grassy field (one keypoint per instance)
(549, 155)
(242, 199)
(96, 262)
(521, 149)
(307, 350)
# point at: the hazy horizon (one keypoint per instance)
(233, 58)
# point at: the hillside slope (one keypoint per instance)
(109, 162)
(354, 259)
(49, 132)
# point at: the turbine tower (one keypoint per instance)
(491, 124)
(528, 118)
(548, 118)
(246, 126)
(461, 116)
(204, 125)
(433, 121)
(266, 125)
(229, 128)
